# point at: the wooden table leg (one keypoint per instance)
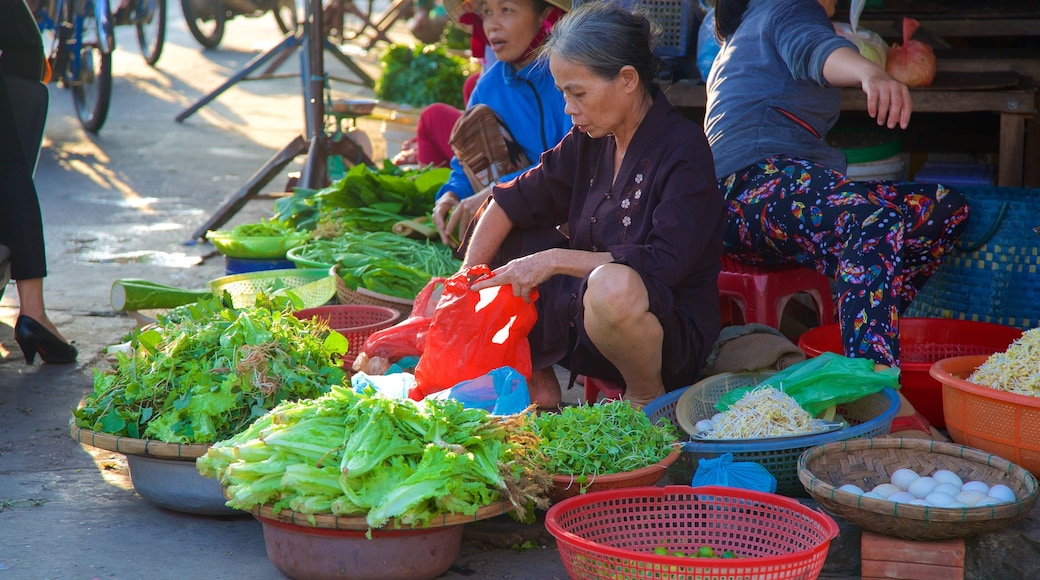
(1012, 149)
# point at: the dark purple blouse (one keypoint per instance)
(663, 216)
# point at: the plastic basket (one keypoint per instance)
(924, 341)
(869, 462)
(347, 295)
(313, 286)
(355, 321)
(675, 19)
(870, 416)
(613, 534)
(999, 422)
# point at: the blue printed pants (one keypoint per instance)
(878, 240)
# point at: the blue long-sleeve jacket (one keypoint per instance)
(530, 105)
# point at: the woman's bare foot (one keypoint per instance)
(641, 398)
(544, 388)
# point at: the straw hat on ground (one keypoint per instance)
(456, 8)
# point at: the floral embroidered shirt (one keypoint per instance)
(663, 215)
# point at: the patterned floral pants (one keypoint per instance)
(878, 240)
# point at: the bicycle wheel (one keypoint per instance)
(286, 16)
(150, 21)
(205, 20)
(90, 73)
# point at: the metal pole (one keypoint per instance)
(313, 174)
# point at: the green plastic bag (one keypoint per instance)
(823, 381)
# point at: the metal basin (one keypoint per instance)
(176, 484)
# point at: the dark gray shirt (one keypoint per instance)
(766, 91)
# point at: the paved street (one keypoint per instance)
(122, 204)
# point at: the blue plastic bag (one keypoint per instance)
(502, 391)
(743, 474)
(707, 47)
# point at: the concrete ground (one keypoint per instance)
(121, 204)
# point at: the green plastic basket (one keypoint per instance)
(256, 247)
(312, 286)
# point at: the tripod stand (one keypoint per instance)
(315, 144)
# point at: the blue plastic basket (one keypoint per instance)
(870, 416)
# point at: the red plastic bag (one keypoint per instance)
(913, 63)
(474, 333)
(406, 338)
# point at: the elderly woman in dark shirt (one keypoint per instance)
(630, 295)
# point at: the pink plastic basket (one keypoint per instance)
(613, 534)
(355, 321)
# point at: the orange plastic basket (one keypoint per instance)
(1002, 423)
(355, 321)
(613, 534)
(924, 341)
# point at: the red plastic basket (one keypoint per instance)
(613, 534)
(924, 341)
(355, 321)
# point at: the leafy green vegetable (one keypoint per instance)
(608, 437)
(361, 454)
(205, 371)
(423, 75)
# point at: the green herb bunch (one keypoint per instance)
(205, 371)
(600, 439)
(364, 455)
(423, 75)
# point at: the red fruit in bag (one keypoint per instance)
(913, 63)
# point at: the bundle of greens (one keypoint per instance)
(423, 75)
(382, 262)
(387, 189)
(205, 371)
(364, 455)
(600, 439)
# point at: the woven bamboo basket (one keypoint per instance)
(869, 462)
(346, 295)
(131, 446)
(485, 148)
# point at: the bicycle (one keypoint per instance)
(206, 18)
(80, 54)
(149, 18)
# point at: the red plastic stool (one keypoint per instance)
(594, 386)
(762, 293)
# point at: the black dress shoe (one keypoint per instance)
(34, 337)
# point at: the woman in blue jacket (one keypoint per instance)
(519, 90)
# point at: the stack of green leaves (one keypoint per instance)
(600, 439)
(423, 75)
(205, 371)
(366, 196)
(364, 455)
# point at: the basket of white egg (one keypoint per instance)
(917, 489)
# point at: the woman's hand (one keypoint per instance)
(448, 222)
(524, 274)
(409, 153)
(441, 212)
(888, 100)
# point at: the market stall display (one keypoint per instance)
(617, 534)
(865, 463)
(868, 416)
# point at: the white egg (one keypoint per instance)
(917, 501)
(873, 495)
(988, 500)
(922, 486)
(947, 476)
(704, 425)
(885, 489)
(851, 488)
(901, 497)
(969, 498)
(939, 499)
(976, 486)
(1002, 492)
(715, 418)
(902, 478)
(948, 488)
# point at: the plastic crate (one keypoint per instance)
(676, 19)
(955, 174)
(870, 416)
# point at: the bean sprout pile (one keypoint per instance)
(763, 412)
(1016, 370)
